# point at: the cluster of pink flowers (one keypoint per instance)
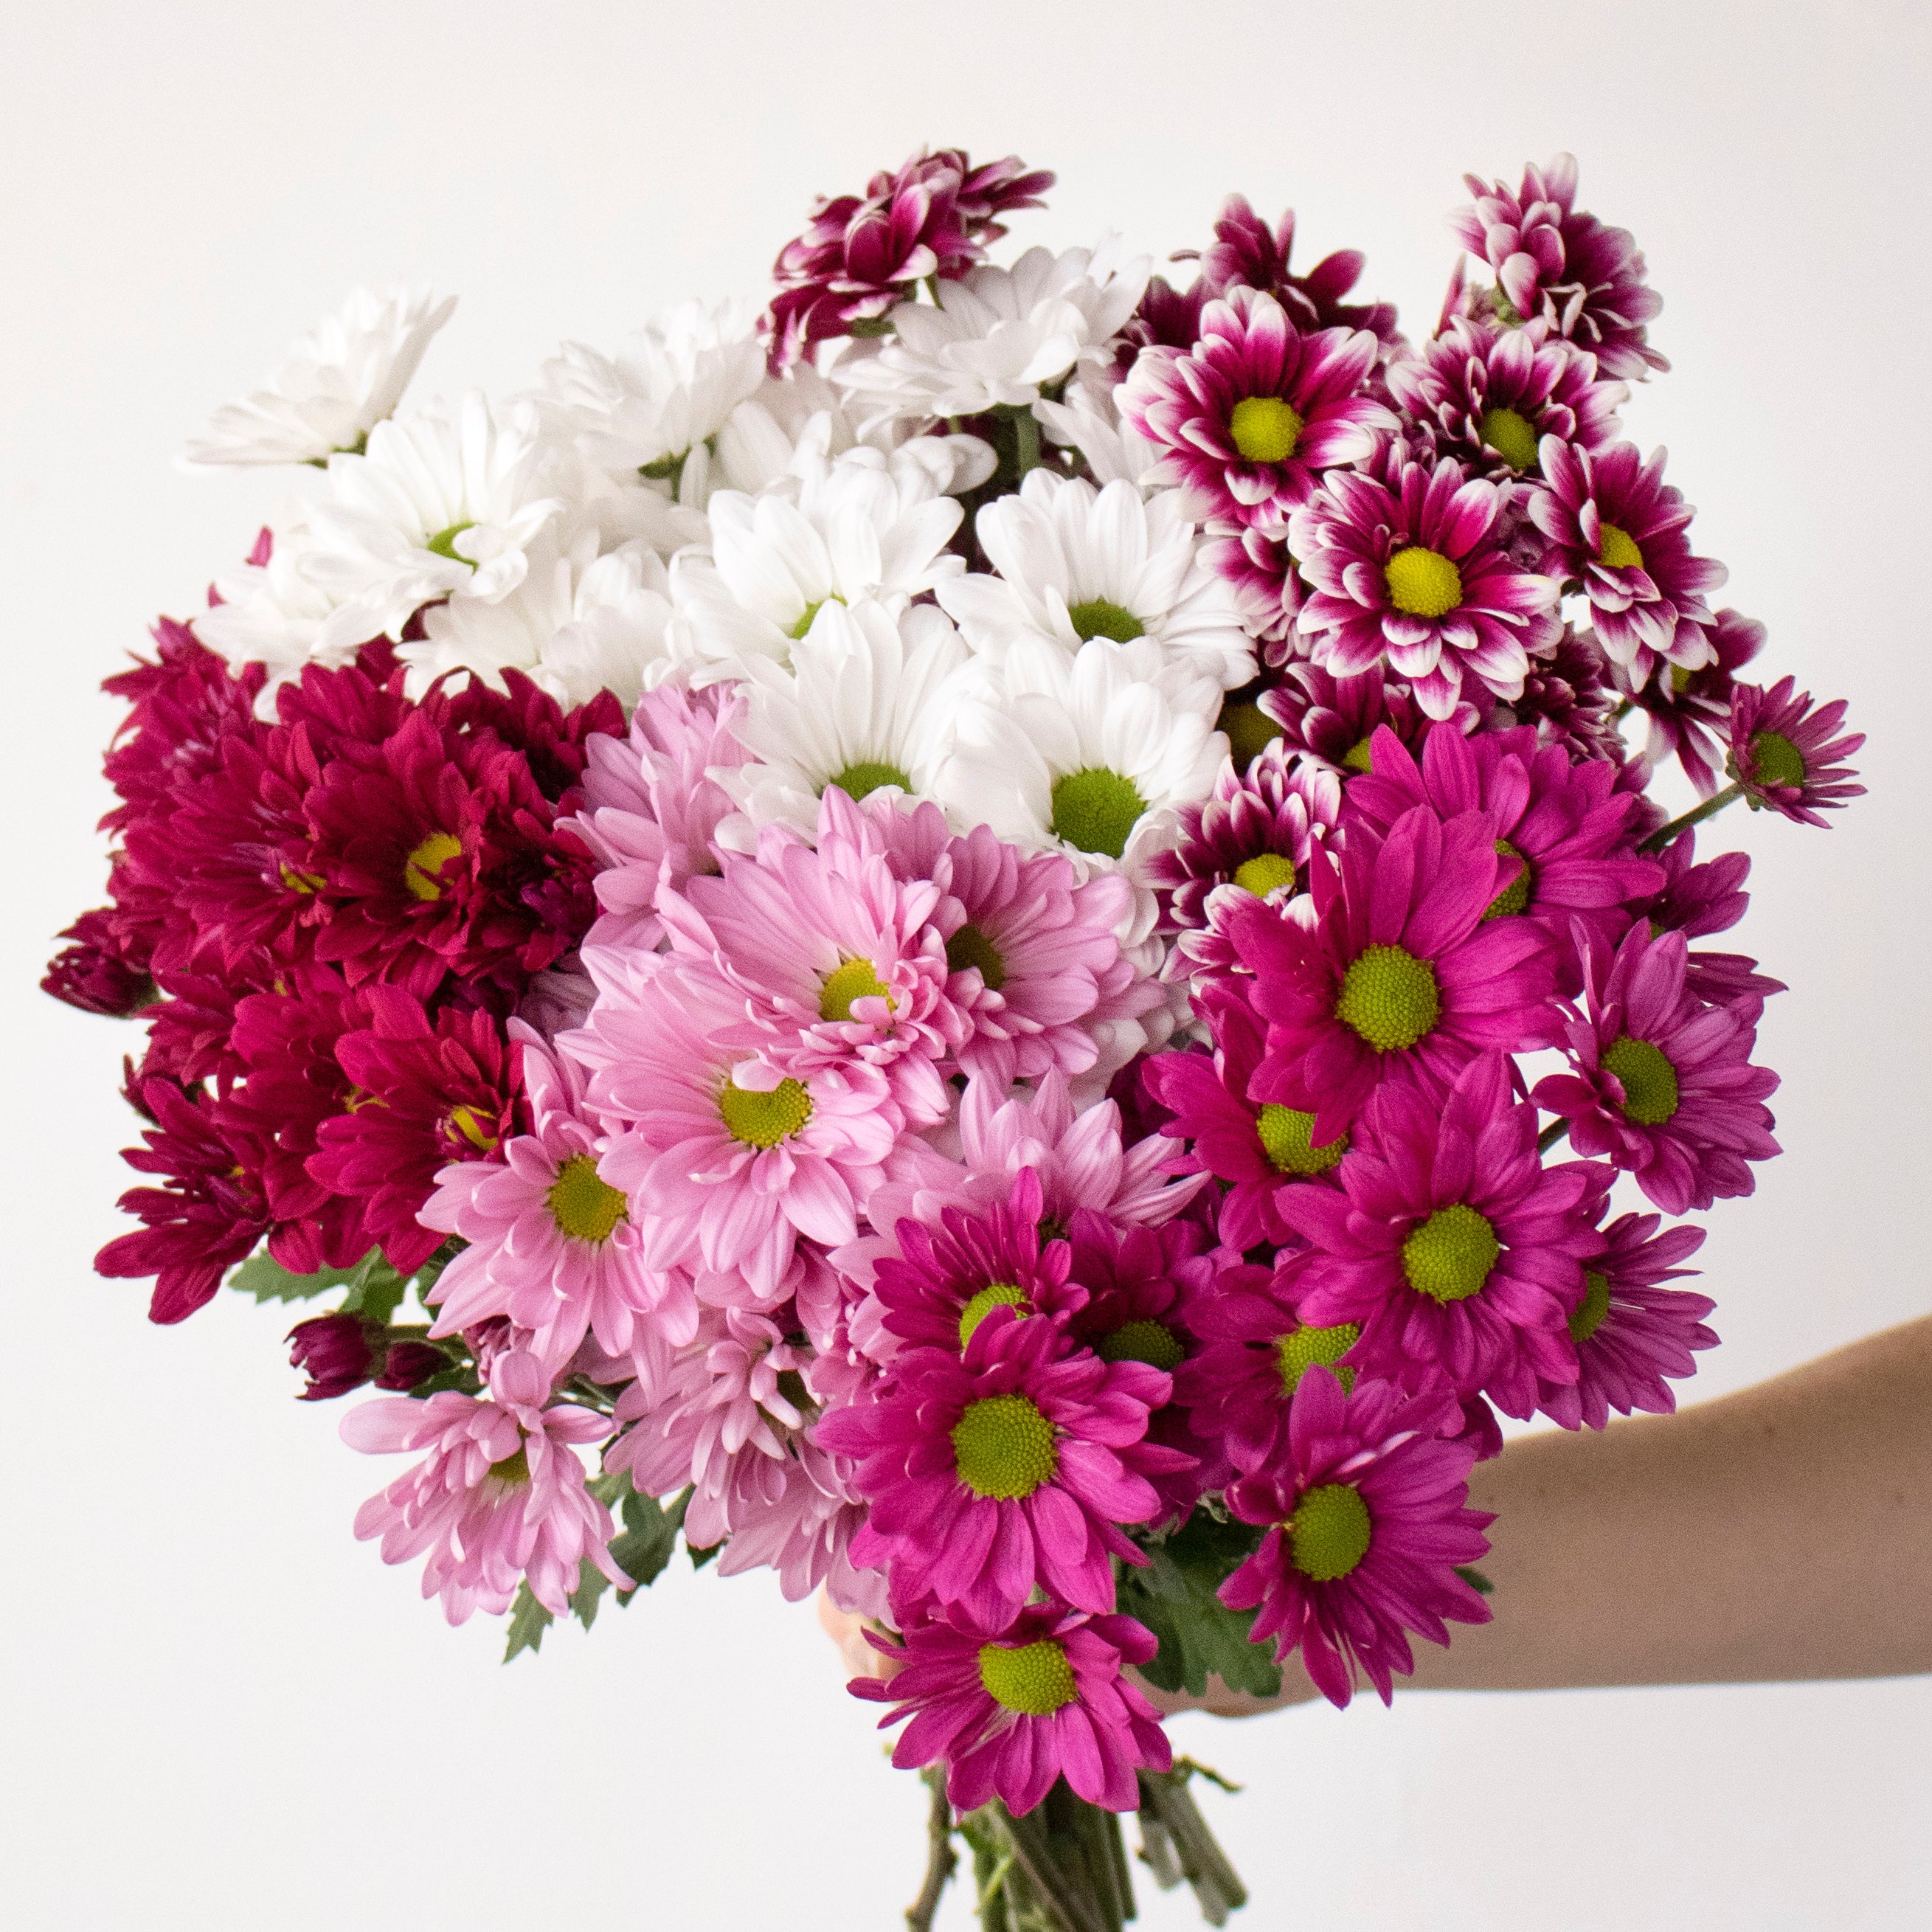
(1075, 1086)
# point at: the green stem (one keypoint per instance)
(941, 1858)
(1166, 1801)
(1697, 815)
(1026, 442)
(1551, 1134)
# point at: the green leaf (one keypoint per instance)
(591, 1584)
(267, 1280)
(699, 1558)
(644, 1545)
(375, 1289)
(460, 1376)
(1174, 1596)
(428, 1275)
(529, 1620)
(1476, 1580)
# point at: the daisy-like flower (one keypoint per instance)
(271, 614)
(1488, 397)
(1568, 695)
(1256, 1148)
(577, 624)
(868, 705)
(1010, 1707)
(1367, 1525)
(552, 1244)
(1554, 261)
(1660, 1082)
(1247, 417)
(653, 409)
(998, 337)
(1613, 525)
(862, 526)
(1573, 831)
(1698, 900)
(1086, 755)
(1335, 719)
(1008, 1469)
(339, 381)
(1074, 563)
(1688, 711)
(500, 1498)
(439, 506)
(1400, 976)
(97, 973)
(1785, 753)
(1267, 587)
(799, 1522)
(1251, 840)
(1451, 1247)
(1413, 570)
(341, 1352)
(1631, 1333)
(730, 1158)
(1247, 253)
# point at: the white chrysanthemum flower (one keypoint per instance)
(439, 506)
(339, 381)
(1088, 753)
(1074, 563)
(271, 614)
(655, 409)
(579, 623)
(864, 526)
(1088, 421)
(867, 705)
(998, 336)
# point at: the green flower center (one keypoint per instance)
(1357, 756)
(443, 544)
(514, 1468)
(811, 610)
(1515, 896)
(1449, 1257)
(582, 1203)
(1649, 1081)
(1511, 435)
(1616, 550)
(1389, 996)
(1301, 1351)
(1250, 731)
(995, 1295)
(857, 979)
(1004, 1448)
(763, 1119)
(1096, 811)
(1033, 1678)
(970, 946)
(422, 869)
(1596, 1304)
(1424, 583)
(1265, 428)
(1287, 1136)
(867, 776)
(1775, 760)
(1263, 873)
(1149, 1341)
(1100, 618)
(1329, 1531)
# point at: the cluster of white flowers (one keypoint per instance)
(1051, 663)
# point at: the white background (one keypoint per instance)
(221, 1711)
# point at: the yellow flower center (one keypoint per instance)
(857, 979)
(1515, 896)
(1424, 583)
(1250, 731)
(1149, 1341)
(1100, 618)
(970, 946)
(443, 544)
(1287, 1136)
(1003, 1446)
(514, 1468)
(1775, 760)
(1595, 1305)
(1096, 811)
(1301, 1351)
(763, 1119)
(470, 1123)
(1511, 435)
(1329, 1531)
(811, 610)
(583, 1203)
(1263, 873)
(867, 776)
(1265, 429)
(995, 1295)
(1649, 1081)
(1449, 1257)
(1618, 551)
(1389, 996)
(1357, 756)
(422, 870)
(1033, 1678)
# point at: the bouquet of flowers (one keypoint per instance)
(906, 938)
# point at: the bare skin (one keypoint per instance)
(1780, 1534)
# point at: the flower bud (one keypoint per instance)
(333, 1352)
(407, 1363)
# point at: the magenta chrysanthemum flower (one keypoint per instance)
(1255, 1147)
(1554, 261)
(1450, 1245)
(1487, 397)
(500, 1498)
(1335, 718)
(99, 973)
(1008, 1470)
(1267, 588)
(730, 1159)
(1697, 900)
(1574, 833)
(1367, 1526)
(1247, 417)
(1009, 1709)
(1614, 525)
(1661, 1083)
(1400, 976)
(1413, 569)
(1630, 1333)
(1784, 755)
(340, 1352)
(1248, 254)
(1689, 710)
(552, 1243)
(1567, 696)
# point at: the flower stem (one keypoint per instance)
(941, 1858)
(1551, 1134)
(1182, 1842)
(1026, 441)
(1696, 815)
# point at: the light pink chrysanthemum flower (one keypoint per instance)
(735, 1158)
(499, 1498)
(552, 1243)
